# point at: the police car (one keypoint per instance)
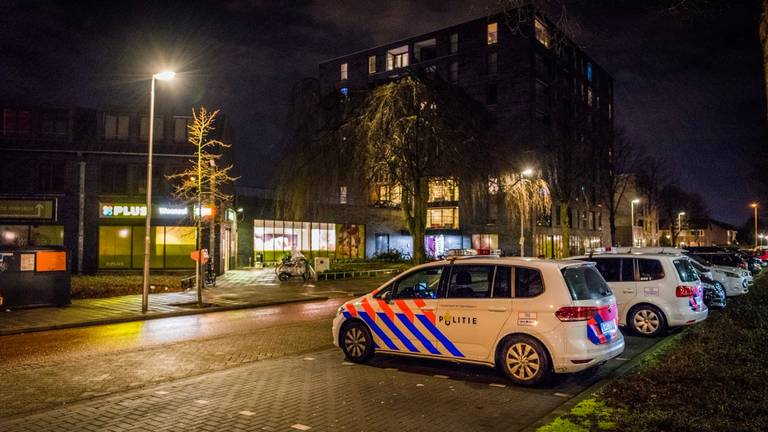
(656, 288)
(526, 316)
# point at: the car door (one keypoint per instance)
(620, 274)
(469, 314)
(650, 282)
(409, 314)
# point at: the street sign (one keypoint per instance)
(27, 209)
(195, 255)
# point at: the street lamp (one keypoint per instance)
(754, 206)
(162, 76)
(632, 215)
(680, 226)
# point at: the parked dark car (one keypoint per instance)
(714, 292)
(722, 259)
(705, 249)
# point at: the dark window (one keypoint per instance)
(502, 284)
(116, 126)
(50, 177)
(113, 179)
(16, 122)
(585, 283)
(493, 63)
(422, 284)
(387, 289)
(470, 282)
(627, 269)
(491, 96)
(158, 127)
(54, 124)
(650, 269)
(610, 268)
(528, 282)
(181, 129)
(686, 271)
(453, 73)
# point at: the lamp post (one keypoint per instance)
(632, 216)
(680, 225)
(754, 206)
(162, 76)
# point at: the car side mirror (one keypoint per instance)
(387, 296)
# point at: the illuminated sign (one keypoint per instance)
(207, 211)
(172, 211)
(123, 210)
(27, 209)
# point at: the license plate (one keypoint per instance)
(608, 326)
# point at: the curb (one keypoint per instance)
(620, 371)
(125, 319)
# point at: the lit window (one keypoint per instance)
(493, 64)
(454, 72)
(443, 217)
(493, 33)
(397, 57)
(344, 91)
(590, 96)
(443, 191)
(493, 185)
(542, 33)
(610, 111)
(372, 64)
(343, 71)
(343, 195)
(589, 71)
(454, 43)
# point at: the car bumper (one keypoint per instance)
(583, 354)
(337, 322)
(687, 318)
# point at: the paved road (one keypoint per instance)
(264, 369)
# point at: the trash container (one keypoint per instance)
(34, 276)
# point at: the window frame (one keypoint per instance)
(439, 291)
(371, 64)
(491, 281)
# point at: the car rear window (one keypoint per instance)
(686, 271)
(585, 283)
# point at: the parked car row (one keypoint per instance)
(534, 317)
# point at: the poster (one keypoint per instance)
(27, 262)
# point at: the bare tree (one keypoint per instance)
(620, 160)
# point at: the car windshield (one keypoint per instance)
(686, 271)
(585, 283)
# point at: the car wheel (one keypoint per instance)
(356, 342)
(647, 320)
(524, 360)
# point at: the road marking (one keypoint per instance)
(497, 385)
(419, 385)
(201, 401)
(622, 359)
(161, 392)
(301, 427)
(347, 364)
(562, 395)
(309, 358)
(391, 369)
(441, 376)
(247, 413)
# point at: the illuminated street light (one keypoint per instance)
(162, 76)
(632, 215)
(527, 172)
(680, 225)
(754, 206)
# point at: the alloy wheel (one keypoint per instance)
(646, 321)
(523, 361)
(355, 342)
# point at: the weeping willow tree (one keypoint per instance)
(409, 131)
(526, 196)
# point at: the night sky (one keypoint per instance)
(688, 89)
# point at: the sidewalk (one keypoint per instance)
(237, 289)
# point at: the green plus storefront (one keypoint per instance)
(121, 236)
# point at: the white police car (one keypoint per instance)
(527, 316)
(655, 291)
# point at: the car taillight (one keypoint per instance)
(743, 265)
(575, 313)
(684, 291)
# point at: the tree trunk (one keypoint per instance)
(415, 213)
(612, 225)
(565, 229)
(764, 43)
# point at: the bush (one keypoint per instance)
(100, 286)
